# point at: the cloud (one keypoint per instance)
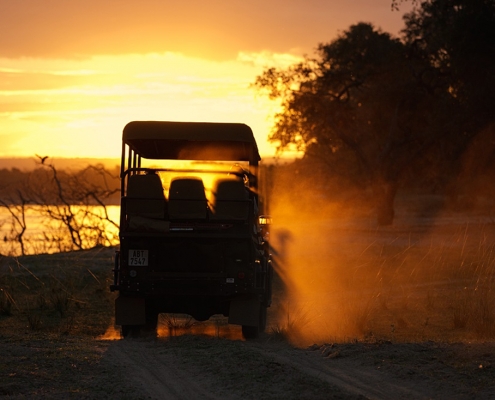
(79, 107)
(268, 59)
(73, 73)
(11, 143)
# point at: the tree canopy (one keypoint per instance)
(374, 108)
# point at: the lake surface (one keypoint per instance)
(48, 235)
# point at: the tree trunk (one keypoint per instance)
(384, 199)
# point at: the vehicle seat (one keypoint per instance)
(187, 199)
(145, 196)
(231, 201)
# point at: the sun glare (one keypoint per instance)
(78, 108)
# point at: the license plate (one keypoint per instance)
(138, 257)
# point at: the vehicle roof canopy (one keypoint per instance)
(191, 141)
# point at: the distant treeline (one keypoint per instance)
(45, 184)
(304, 188)
(97, 184)
(62, 163)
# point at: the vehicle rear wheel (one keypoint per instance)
(262, 326)
(252, 332)
(130, 331)
(146, 330)
(149, 329)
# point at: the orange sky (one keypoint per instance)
(73, 73)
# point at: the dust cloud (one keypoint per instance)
(314, 303)
(173, 325)
(112, 333)
(342, 278)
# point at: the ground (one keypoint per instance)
(197, 366)
(359, 313)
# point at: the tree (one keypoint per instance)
(17, 207)
(456, 40)
(377, 109)
(355, 109)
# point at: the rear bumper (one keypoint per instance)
(132, 309)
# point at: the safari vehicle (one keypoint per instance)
(193, 237)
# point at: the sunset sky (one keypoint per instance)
(73, 72)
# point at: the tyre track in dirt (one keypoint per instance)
(217, 369)
(158, 374)
(202, 367)
(161, 370)
(350, 378)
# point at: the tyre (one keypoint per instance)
(130, 331)
(269, 285)
(146, 330)
(262, 325)
(250, 332)
(149, 329)
(253, 332)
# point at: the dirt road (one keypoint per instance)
(206, 367)
(190, 367)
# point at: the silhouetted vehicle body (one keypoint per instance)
(187, 247)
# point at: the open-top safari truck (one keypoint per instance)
(193, 238)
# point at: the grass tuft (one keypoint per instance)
(6, 303)
(34, 321)
(60, 301)
(483, 315)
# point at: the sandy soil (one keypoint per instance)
(202, 367)
(210, 368)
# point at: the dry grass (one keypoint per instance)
(288, 329)
(421, 279)
(410, 282)
(56, 294)
(6, 303)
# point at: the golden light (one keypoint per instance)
(78, 108)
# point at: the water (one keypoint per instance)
(45, 234)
